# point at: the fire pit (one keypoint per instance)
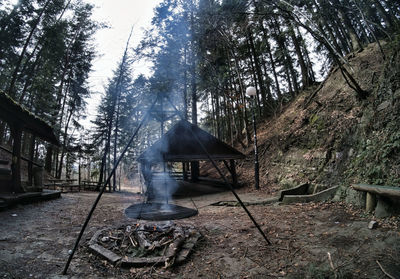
(144, 244)
(158, 211)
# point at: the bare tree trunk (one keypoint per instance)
(286, 59)
(218, 116)
(195, 171)
(214, 126)
(242, 94)
(354, 38)
(115, 146)
(102, 165)
(258, 72)
(303, 68)
(361, 94)
(255, 80)
(64, 145)
(389, 22)
(185, 86)
(270, 56)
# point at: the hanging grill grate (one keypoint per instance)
(159, 211)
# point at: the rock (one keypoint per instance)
(397, 94)
(340, 194)
(288, 183)
(356, 198)
(105, 239)
(372, 225)
(366, 118)
(383, 105)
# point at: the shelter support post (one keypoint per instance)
(194, 171)
(184, 171)
(232, 170)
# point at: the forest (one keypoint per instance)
(203, 54)
(326, 110)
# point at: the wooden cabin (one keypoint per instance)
(20, 119)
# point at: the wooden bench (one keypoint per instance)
(376, 190)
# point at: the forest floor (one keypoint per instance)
(35, 239)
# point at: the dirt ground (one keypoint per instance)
(35, 239)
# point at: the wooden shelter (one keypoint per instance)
(179, 144)
(20, 119)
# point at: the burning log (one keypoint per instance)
(142, 239)
(157, 244)
(134, 243)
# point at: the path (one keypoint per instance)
(35, 239)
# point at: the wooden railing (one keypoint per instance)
(65, 185)
(70, 185)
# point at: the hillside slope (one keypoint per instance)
(331, 137)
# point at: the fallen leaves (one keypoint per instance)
(231, 247)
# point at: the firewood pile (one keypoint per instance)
(144, 244)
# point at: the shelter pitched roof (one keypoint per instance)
(179, 145)
(13, 113)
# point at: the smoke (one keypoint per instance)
(163, 187)
(159, 183)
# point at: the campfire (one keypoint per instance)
(142, 244)
(138, 245)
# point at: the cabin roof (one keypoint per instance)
(15, 114)
(179, 144)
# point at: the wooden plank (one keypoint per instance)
(105, 253)
(378, 189)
